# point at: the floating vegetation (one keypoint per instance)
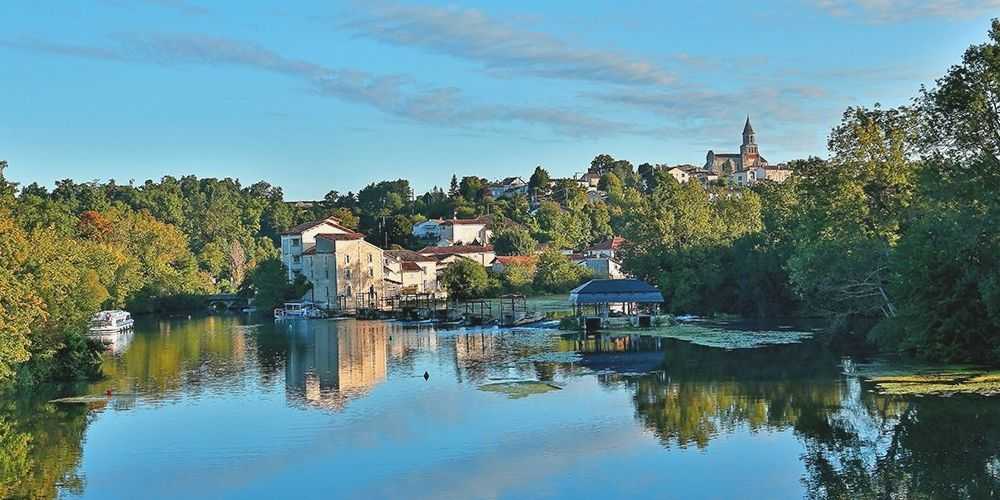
(555, 357)
(520, 388)
(725, 338)
(917, 380)
(81, 400)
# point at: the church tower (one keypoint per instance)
(748, 150)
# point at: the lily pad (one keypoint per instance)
(940, 384)
(712, 336)
(520, 389)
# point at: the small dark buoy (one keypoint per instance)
(427, 375)
(107, 393)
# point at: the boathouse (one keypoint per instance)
(601, 298)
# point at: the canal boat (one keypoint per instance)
(298, 310)
(105, 322)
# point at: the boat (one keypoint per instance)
(105, 322)
(298, 310)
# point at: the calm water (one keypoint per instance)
(219, 408)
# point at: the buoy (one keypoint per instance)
(107, 393)
(426, 375)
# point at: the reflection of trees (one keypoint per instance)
(186, 354)
(40, 448)
(858, 444)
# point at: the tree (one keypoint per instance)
(269, 286)
(540, 180)
(237, 264)
(854, 209)
(518, 277)
(20, 307)
(465, 279)
(555, 273)
(610, 182)
(513, 241)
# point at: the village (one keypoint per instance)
(350, 275)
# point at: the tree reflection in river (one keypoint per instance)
(40, 447)
(858, 444)
(855, 443)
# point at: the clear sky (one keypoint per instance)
(319, 95)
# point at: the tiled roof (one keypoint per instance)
(612, 244)
(408, 256)
(516, 259)
(483, 220)
(309, 225)
(341, 236)
(460, 249)
(411, 266)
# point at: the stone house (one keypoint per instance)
(346, 272)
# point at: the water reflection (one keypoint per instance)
(678, 398)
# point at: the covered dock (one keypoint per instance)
(627, 296)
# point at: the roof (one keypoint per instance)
(408, 256)
(615, 291)
(310, 251)
(747, 128)
(305, 226)
(459, 249)
(516, 259)
(483, 220)
(612, 244)
(727, 155)
(411, 266)
(341, 236)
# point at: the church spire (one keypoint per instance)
(749, 136)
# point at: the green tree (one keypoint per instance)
(555, 273)
(513, 241)
(465, 279)
(540, 180)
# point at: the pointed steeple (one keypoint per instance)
(749, 137)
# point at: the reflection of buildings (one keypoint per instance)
(330, 364)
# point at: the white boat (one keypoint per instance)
(299, 310)
(105, 322)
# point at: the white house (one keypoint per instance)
(680, 174)
(411, 271)
(466, 231)
(297, 240)
(429, 229)
(482, 254)
(508, 188)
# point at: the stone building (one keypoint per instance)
(347, 272)
(748, 157)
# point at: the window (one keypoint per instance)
(296, 259)
(348, 257)
(369, 258)
(371, 273)
(296, 242)
(347, 274)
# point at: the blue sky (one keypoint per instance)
(316, 96)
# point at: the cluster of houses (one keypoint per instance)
(349, 273)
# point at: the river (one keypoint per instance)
(226, 407)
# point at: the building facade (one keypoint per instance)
(298, 240)
(347, 273)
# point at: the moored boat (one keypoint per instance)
(299, 310)
(114, 321)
